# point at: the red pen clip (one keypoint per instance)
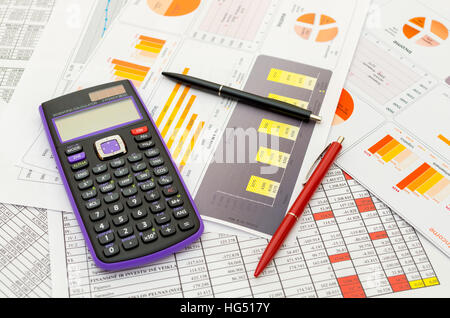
(315, 163)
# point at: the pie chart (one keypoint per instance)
(344, 109)
(316, 27)
(425, 31)
(173, 8)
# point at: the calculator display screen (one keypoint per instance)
(96, 119)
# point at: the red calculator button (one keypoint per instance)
(139, 131)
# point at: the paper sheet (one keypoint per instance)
(24, 253)
(21, 26)
(195, 124)
(78, 26)
(347, 244)
(395, 111)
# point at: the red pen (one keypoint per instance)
(327, 158)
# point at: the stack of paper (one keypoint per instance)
(347, 244)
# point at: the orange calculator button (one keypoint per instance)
(139, 131)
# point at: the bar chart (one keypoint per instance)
(127, 70)
(172, 123)
(148, 49)
(263, 151)
(428, 182)
(424, 180)
(389, 149)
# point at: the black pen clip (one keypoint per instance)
(314, 165)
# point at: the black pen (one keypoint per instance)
(245, 97)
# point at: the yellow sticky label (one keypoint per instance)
(431, 281)
(417, 284)
(278, 129)
(272, 157)
(263, 187)
(289, 100)
(292, 79)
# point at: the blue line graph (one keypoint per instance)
(105, 27)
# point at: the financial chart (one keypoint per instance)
(347, 244)
(401, 93)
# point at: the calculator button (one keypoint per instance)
(85, 184)
(146, 145)
(143, 176)
(170, 191)
(130, 244)
(155, 162)
(71, 150)
(152, 196)
(116, 208)
(106, 188)
(101, 227)
(106, 239)
(120, 220)
(157, 207)
(117, 163)
(168, 230)
(112, 250)
(165, 180)
(125, 231)
(149, 237)
(160, 171)
(100, 168)
(103, 178)
(134, 202)
(180, 214)
(80, 165)
(139, 214)
(89, 194)
(139, 131)
(91, 205)
(126, 182)
(162, 218)
(121, 172)
(80, 175)
(175, 202)
(138, 167)
(76, 158)
(143, 137)
(128, 192)
(186, 225)
(147, 186)
(97, 215)
(152, 153)
(110, 198)
(143, 225)
(135, 157)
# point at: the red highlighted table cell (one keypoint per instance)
(399, 283)
(351, 287)
(339, 258)
(365, 204)
(323, 215)
(378, 235)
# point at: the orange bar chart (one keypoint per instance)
(126, 70)
(185, 135)
(192, 144)
(149, 48)
(169, 101)
(389, 149)
(426, 181)
(181, 121)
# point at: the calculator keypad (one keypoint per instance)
(135, 204)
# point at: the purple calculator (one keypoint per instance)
(126, 192)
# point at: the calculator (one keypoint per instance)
(126, 191)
